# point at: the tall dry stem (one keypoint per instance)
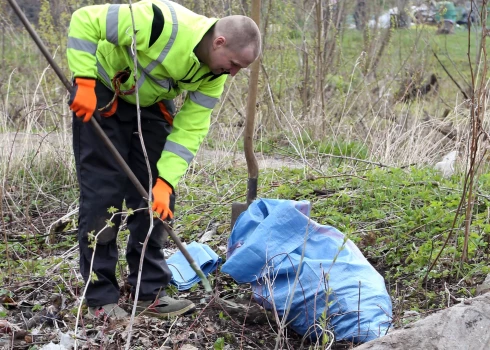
(150, 179)
(478, 112)
(476, 134)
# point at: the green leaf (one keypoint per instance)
(219, 344)
(93, 277)
(112, 210)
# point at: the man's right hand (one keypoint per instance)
(83, 100)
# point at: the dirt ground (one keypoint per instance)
(43, 308)
(20, 145)
(239, 323)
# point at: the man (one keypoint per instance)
(176, 50)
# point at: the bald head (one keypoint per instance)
(231, 44)
(240, 32)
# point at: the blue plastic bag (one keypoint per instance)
(183, 275)
(335, 280)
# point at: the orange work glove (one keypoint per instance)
(163, 199)
(83, 100)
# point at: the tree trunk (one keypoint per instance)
(361, 14)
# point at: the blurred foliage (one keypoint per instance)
(315, 64)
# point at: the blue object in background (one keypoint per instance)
(183, 276)
(265, 249)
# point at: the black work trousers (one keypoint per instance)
(103, 185)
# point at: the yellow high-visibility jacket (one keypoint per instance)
(99, 45)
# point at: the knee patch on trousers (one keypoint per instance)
(108, 235)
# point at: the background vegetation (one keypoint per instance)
(358, 117)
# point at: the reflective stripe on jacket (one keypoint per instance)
(99, 45)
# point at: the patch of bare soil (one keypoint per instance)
(18, 144)
(37, 316)
(238, 159)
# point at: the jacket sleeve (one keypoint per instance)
(190, 126)
(110, 22)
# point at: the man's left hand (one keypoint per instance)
(162, 199)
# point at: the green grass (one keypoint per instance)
(410, 52)
(399, 218)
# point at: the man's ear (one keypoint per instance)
(219, 41)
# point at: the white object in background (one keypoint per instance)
(67, 340)
(446, 166)
(53, 346)
(383, 21)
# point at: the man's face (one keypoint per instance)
(225, 60)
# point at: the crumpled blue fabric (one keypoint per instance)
(335, 281)
(183, 276)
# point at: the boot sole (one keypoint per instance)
(189, 309)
